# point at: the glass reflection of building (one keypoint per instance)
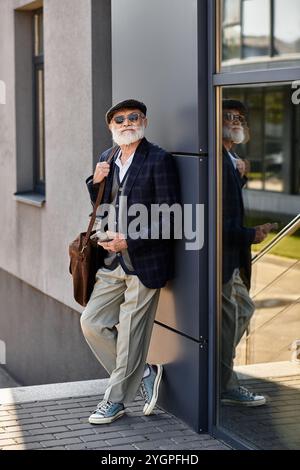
(260, 28)
(257, 35)
(259, 64)
(273, 149)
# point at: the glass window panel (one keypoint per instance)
(232, 42)
(41, 136)
(253, 150)
(41, 34)
(259, 340)
(38, 60)
(231, 11)
(296, 149)
(287, 26)
(272, 148)
(274, 142)
(256, 28)
(38, 34)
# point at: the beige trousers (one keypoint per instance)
(120, 299)
(237, 310)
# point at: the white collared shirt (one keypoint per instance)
(123, 168)
(233, 159)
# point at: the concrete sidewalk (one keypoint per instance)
(55, 417)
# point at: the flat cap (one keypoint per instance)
(234, 104)
(128, 104)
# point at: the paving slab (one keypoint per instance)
(55, 416)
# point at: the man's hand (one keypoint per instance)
(261, 232)
(101, 172)
(243, 167)
(117, 243)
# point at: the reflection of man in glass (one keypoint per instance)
(237, 306)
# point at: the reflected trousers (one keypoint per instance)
(237, 311)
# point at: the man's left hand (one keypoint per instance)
(240, 165)
(117, 243)
(243, 166)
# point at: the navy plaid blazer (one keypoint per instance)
(152, 179)
(237, 238)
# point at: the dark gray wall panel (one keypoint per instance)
(184, 387)
(155, 59)
(44, 342)
(183, 303)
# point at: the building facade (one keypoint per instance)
(63, 63)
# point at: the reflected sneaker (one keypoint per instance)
(107, 412)
(242, 396)
(149, 387)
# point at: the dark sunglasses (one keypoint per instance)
(235, 117)
(133, 117)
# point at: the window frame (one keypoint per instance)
(271, 71)
(39, 185)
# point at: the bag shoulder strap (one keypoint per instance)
(98, 201)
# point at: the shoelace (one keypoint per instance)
(103, 406)
(244, 391)
(144, 392)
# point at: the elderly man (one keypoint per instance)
(135, 268)
(237, 306)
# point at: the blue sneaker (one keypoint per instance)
(149, 388)
(242, 396)
(107, 412)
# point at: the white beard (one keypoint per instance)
(237, 136)
(127, 138)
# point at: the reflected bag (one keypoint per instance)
(86, 256)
